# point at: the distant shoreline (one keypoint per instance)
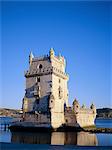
(102, 113)
(103, 118)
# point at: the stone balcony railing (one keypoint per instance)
(46, 71)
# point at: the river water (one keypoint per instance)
(61, 138)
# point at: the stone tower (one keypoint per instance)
(46, 87)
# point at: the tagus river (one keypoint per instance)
(61, 138)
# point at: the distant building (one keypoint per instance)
(46, 97)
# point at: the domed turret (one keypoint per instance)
(51, 53)
(75, 102)
(76, 106)
(31, 58)
(93, 107)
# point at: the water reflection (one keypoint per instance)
(71, 138)
(31, 138)
(56, 138)
(86, 139)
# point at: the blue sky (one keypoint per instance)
(80, 31)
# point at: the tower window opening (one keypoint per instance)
(59, 80)
(37, 101)
(38, 95)
(38, 79)
(40, 66)
(66, 120)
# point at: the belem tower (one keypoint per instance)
(46, 96)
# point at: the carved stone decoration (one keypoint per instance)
(51, 101)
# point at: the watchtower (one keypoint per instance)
(46, 87)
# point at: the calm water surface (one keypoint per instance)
(61, 138)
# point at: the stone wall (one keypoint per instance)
(39, 118)
(70, 117)
(57, 119)
(85, 117)
(38, 86)
(28, 104)
(60, 93)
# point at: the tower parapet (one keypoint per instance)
(84, 116)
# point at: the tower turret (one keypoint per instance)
(76, 106)
(51, 52)
(30, 58)
(93, 107)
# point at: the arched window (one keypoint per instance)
(40, 66)
(38, 79)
